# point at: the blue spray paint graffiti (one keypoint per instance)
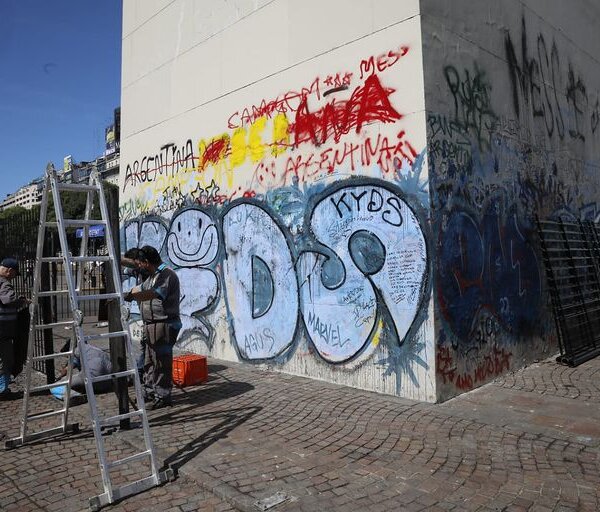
(488, 262)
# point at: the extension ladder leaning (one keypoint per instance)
(111, 493)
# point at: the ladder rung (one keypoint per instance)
(41, 415)
(76, 222)
(73, 187)
(76, 259)
(45, 387)
(97, 502)
(131, 458)
(115, 375)
(42, 327)
(83, 222)
(104, 335)
(99, 296)
(85, 259)
(20, 441)
(51, 293)
(111, 420)
(52, 356)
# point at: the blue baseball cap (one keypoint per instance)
(11, 263)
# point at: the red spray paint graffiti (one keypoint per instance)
(294, 124)
(283, 104)
(490, 366)
(214, 152)
(368, 104)
(380, 150)
(381, 62)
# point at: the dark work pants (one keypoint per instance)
(158, 363)
(7, 333)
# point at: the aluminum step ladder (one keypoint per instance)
(53, 186)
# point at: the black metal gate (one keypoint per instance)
(571, 253)
(18, 239)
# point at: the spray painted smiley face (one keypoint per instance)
(192, 240)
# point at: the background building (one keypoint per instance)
(26, 197)
(107, 164)
(349, 189)
(76, 172)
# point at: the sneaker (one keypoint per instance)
(160, 402)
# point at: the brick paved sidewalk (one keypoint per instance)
(530, 441)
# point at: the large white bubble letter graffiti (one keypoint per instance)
(137, 233)
(373, 241)
(260, 283)
(192, 243)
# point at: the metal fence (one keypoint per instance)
(571, 252)
(18, 239)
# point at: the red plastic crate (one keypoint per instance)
(189, 370)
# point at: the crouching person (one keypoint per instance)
(97, 363)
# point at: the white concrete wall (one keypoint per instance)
(275, 152)
(512, 96)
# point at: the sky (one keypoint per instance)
(60, 81)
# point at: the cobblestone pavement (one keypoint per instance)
(529, 441)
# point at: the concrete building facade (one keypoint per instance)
(348, 190)
(27, 196)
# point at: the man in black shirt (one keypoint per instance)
(159, 298)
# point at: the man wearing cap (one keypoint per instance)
(10, 303)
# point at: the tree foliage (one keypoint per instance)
(73, 206)
(19, 226)
(12, 213)
(18, 230)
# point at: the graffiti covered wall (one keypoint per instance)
(512, 96)
(278, 161)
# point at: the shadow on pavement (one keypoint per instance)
(231, 419)
(210, 392)
(204, 395)
(185, 407)
(216, 368)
